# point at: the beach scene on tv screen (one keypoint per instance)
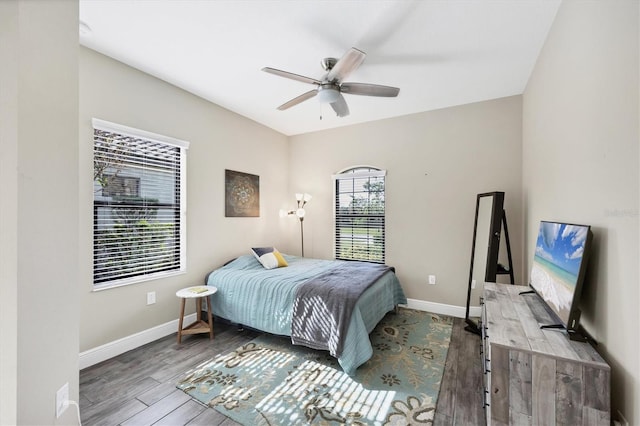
(556, 264)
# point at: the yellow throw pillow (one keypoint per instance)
(280, 257)
(269, 257)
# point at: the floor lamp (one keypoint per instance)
(302, 200)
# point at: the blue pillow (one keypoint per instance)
(269, 257)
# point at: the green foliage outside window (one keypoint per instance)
(360, 224)
(136, 241)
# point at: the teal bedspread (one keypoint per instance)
(263, 299)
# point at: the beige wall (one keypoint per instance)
(436, 163)
(39, 209)
(9, 48)
(580, 164)
(220, 140)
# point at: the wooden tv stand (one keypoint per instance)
(534, 376)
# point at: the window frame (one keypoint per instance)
(352, 173)
(181, 214)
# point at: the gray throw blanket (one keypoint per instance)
(323, 305)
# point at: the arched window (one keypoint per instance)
(360, 214)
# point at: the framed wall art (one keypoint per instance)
(241, 195)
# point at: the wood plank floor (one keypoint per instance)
(138, 387)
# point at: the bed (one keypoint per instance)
(265, 299)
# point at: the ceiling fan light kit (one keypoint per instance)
(328, 93)
(330, 88)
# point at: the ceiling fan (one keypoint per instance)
(331, 87)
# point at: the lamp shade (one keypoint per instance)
(300, 213)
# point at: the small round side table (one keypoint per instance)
(199, 326)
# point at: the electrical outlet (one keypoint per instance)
(151, 298)
(62, 399)
(432, 279)
(473, 283)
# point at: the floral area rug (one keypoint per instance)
(269, 381)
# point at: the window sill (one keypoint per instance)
(136, 280)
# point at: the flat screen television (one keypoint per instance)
(559, 268)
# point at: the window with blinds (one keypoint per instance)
(139, 205)
(360, 233)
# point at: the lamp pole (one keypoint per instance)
(302, 200)
(302, 236)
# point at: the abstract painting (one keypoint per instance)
(242, 194)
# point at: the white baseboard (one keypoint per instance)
(109, 350)
(441, 308)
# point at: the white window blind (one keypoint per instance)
(360, 215)
(139, 205)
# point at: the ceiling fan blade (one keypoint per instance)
(349, 62)
(295, 101)
(369, 89)
(291, 75)
(340, 106)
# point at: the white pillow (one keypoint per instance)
(269, 257)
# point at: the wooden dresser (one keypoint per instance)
(534, 376)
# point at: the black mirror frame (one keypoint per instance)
(493, 247)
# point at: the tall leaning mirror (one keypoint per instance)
(484, 252)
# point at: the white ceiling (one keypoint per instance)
(439, 53)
